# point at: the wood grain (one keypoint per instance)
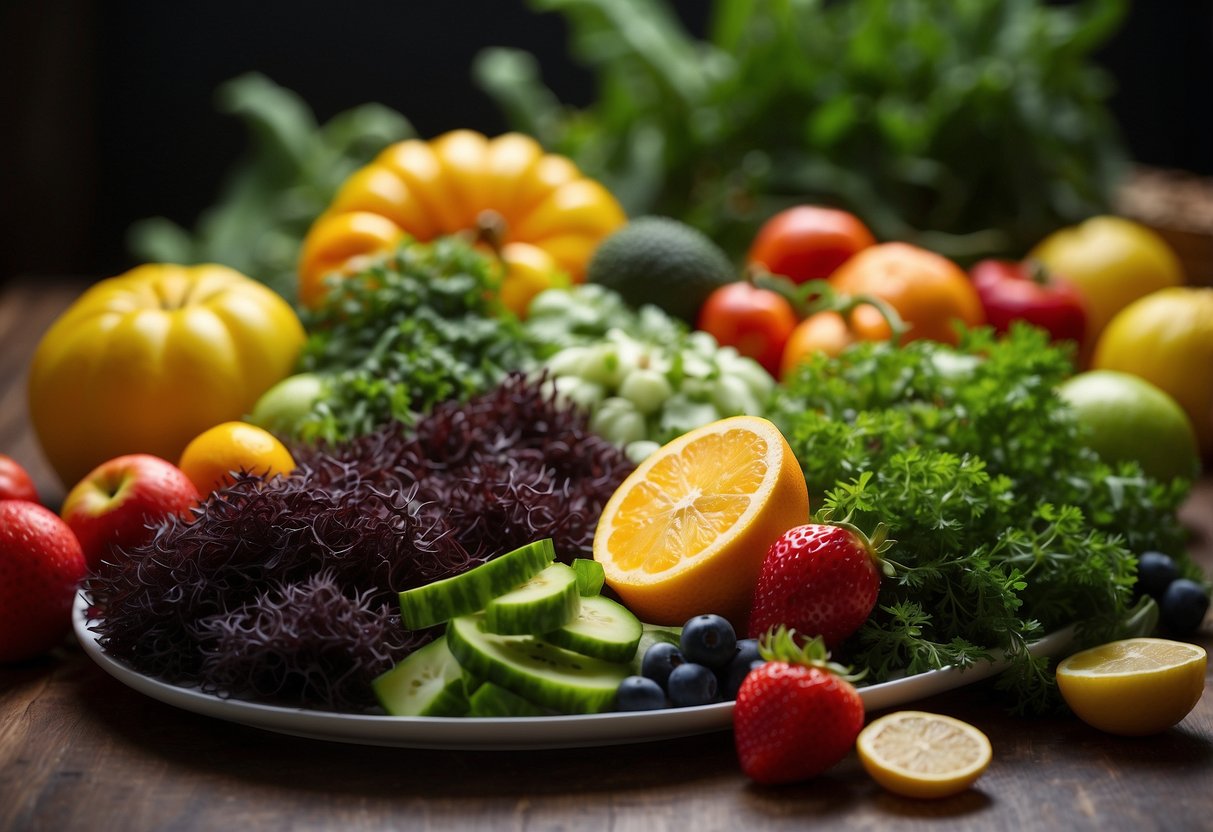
(79, 751)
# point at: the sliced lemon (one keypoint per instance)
(1134, 687)
(920, 754)
(687, 531)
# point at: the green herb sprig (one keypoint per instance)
(971, 128)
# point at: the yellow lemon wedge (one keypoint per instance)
(920, 754)
(1134, 687)
(687, 531)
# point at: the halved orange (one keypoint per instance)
(687, 532)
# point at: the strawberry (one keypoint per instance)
(819, 579)
(40, 565)
(797, 714)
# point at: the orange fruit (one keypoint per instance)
(928, 291)
(920, 754)
(213, 455)
(687, 531)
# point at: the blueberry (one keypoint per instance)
(692, 684)
(745, 660)
(1155, 572)
(659, 660)
(1183, 606)
(709, 640)
(636, 693)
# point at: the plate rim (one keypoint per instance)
(506, 733)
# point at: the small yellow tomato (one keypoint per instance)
(143, 362)
(1112, 261)
(210, 459)
(1166, 338)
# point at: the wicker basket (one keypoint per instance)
(1179, 206)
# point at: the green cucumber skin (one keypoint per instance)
(492, 700)
(603, 629)
(545, 602)
(431, 666)
(434, 603)
(536, 670)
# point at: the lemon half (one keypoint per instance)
(1134, 687)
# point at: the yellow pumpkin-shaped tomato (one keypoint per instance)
(144, 362)
(463, 181)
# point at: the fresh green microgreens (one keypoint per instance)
(1008, 527)
(415, 328)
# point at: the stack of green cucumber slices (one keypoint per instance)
(525, 636)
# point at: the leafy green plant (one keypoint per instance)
(1007, 525)
(414, 328)
(971, 127)
(290, 174)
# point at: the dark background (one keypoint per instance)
(110, 117)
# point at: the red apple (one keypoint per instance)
(40, 566)
(15, 483)
(121, 501)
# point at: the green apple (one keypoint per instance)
(284, 407)
(1128, 418)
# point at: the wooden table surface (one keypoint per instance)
(78, 750)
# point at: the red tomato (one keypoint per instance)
(15, 482)
(808, 242)
(1011, 291)
(757, 322)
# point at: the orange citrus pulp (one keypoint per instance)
(687, 531)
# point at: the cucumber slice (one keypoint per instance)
(537, 670)
(469, 592)
(428, 682)
(545, 602)
(590, 576)
(494, 700)
(603, 629)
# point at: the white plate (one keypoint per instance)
(512, 732)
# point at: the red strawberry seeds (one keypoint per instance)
(794, 717)
(818, 580)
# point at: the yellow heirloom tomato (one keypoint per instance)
(146, 361)
(1166, 338)
(537, 208)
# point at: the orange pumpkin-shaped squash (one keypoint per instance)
(537, 206)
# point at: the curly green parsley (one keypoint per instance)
(1008, 527)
